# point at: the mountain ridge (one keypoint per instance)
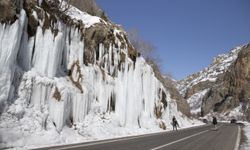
(210, 90)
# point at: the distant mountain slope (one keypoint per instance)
(221, 87)
(209, 75)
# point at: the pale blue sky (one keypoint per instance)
(187, 33)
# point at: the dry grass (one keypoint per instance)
(77, 83)
(158, 111)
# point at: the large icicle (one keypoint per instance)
(10, 37)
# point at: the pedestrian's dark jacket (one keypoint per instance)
(214, 120)
(175, 123)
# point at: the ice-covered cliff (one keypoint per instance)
(67, 76)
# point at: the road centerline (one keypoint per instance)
(159, 147)
(155, 140)
(109, 141)
(188, 137)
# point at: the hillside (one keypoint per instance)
(222, 87)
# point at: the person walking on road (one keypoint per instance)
(174, 123)
(215, 122)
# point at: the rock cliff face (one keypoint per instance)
(232, 88)
(63, 69)
(223, 86)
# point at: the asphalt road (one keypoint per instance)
(197, 138)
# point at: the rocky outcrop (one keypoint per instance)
(231, 88)
(8, 11)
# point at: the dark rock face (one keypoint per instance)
(8, 11)
(232, 87)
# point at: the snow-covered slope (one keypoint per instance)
(246, 140)
(74, 77)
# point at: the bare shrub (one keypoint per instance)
(59, 6)
(144, 47)
(89, 6)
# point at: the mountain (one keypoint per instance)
(67, 76)
(221, 88)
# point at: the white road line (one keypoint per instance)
(237, 144)
(159, 147)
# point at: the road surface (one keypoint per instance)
(196, 138)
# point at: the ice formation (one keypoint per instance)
(47, 89)
(195, 101)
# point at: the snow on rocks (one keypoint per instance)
(237, 113)
(195, 101)
(87, 19)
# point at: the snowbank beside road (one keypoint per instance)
(246, 145)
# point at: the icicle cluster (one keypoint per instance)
(46, 71)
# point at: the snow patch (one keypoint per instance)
(236, 113)
(87, 19)
(246, 145)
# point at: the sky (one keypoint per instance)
(188, 34)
